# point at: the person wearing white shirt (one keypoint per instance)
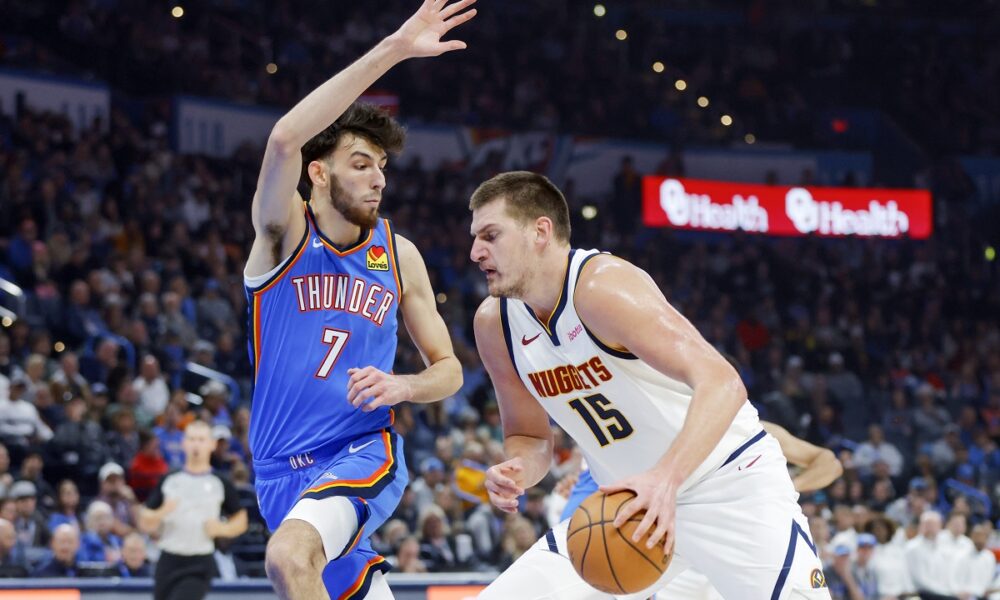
(975, 567)
(19, 419)
(152, 389)
(927, 556)
(846, 535)
(877, 449)
(889, 559)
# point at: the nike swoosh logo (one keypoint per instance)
(317, 243)
(525, 341)
(751, 463)
(354, 450)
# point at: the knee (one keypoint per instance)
(290, 556)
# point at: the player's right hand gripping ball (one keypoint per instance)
(606, 557)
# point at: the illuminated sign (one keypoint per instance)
(701, 205)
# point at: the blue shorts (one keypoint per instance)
(369, 470)
(584, 487)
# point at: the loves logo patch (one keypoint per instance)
(376, 259)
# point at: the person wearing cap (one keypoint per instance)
(837, 575)
(907, 509)
(215, 395)
(118, 495)
(190, 508)
(21, 423)
(30, 524)
(223, 458)
(863, 570)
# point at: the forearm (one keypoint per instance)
(438, 381)
(535, 454)
(235, 526)
(325, 104)
(149, 520)
(710, 414)
(821, 472)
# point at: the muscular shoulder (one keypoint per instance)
(407, 251)
(606, 280)
(487, 315)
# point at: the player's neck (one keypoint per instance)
(334, 226)
(545, 287)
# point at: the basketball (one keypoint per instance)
(606, 557)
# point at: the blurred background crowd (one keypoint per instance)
(133, 317)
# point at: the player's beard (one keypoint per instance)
(514, 289)
(360, 214)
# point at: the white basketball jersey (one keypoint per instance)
(623, 413)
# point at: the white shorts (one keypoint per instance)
(740, 526)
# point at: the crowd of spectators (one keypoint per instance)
(130, 259)
(555, 65)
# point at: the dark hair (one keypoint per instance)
(529, 196)
(362, 119)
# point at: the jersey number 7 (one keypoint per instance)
(336, 339)
(615, 423)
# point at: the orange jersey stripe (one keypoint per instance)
(378, 474)
(393, 259)
(361, 578)
(257, 303)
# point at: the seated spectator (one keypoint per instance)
(32, 530)
(123, 439)
(6, 478)
(134, 562)
(407, 558)
(889, 558)
(975, 569)
(171, 435)
(148, 466)
(432, 475)
(215, 396)
(927, 557)
(518, 537)
(119, 496)
(63, 562)
(20, 423)
(875, 448)
(223, 459)
(438, 549)
(33, 470)
(78, 445)
(67, 506)
(13, 562)
(98, 543)
(152, 389)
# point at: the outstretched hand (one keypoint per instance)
(421, 34)
(659, 499)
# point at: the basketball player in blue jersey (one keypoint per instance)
(818, 468)
(589, 340)
(325, 279)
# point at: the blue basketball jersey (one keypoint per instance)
(321, 312)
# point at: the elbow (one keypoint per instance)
(282, 140)
(836, 469)
(456, 379)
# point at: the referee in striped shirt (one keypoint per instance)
(187, 508)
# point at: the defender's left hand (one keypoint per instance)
(658, 496)
(370, 388)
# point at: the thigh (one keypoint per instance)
(190, 587)
(743, 529)
(371, 469)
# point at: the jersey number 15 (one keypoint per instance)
(614, 422)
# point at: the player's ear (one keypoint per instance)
(543, 230)
(318, 173)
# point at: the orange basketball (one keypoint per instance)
(606, 557)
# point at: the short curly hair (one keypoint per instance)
(362, 119)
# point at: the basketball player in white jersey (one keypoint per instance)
(589, 340)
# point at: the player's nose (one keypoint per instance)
(379, 182)
(477, 253)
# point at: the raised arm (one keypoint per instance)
(645, 324)
(820, 466)
(526, 431)
(276, 203)
(443, 375)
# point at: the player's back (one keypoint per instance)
(319, 313)
(622, 412)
